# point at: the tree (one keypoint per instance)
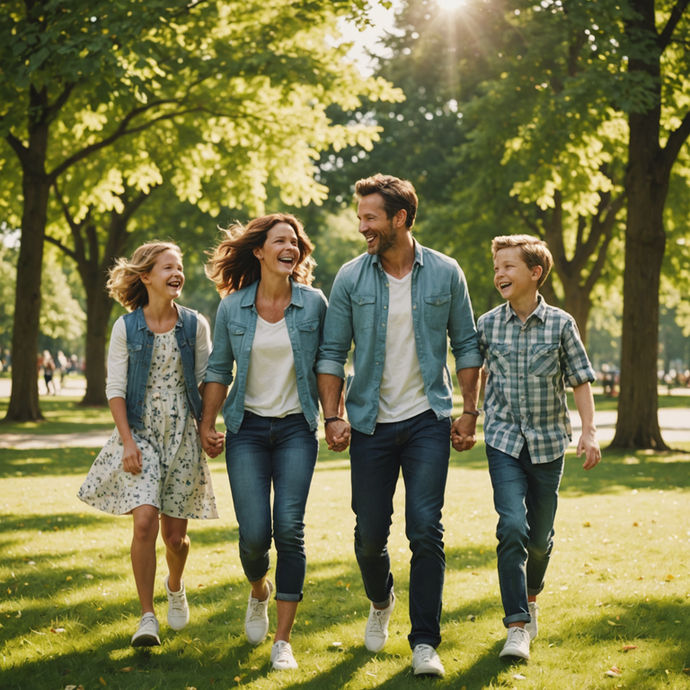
(83, 79)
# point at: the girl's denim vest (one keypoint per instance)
(140, 349)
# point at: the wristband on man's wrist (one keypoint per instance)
(328, 420)
(476, 413)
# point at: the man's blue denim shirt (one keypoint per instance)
(232, 342)
(358, 311)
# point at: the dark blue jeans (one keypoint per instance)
(420, 446)
(280, 452)
(526, 498)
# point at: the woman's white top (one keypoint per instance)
(118, 356)
(271, 389)
(401, 395)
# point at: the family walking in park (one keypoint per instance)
(278, 349)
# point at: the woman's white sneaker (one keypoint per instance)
(376, 632)
(147, 634)
(178, 609)
(256, 619)
(282, 657)
(425, 661)
(517, 643)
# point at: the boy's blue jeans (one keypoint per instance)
(420, 446)
(277, 452)
(525, 497)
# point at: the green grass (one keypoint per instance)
(619, 576)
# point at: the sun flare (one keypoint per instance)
(451, 5)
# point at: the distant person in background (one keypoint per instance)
(62, 365)
(48, 372)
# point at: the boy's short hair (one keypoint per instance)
(397, 195)
(535, 252)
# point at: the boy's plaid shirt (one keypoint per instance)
(528, 367)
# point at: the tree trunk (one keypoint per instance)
(98, 309)
(578, 304)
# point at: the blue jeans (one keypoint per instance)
(526, 498)
(420, 446)
(280, 452)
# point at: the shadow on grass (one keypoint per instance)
(43, 462)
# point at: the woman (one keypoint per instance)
(269, 324)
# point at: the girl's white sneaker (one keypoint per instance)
(147, 634)
(282, 657)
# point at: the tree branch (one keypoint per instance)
(60, 246)
(53, 109)
(17, 146)
(674, 144)
(676, 16)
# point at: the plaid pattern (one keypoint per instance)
(528, 368)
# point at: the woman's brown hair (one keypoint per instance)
(232, 264)
(124, 278)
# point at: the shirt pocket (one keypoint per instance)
(363, 307)
(498, 359)
(309, 339)
(236, 333)
(437, 310)
(544, 359)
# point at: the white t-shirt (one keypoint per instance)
(118, 356)
(271, 389)
(401, 395)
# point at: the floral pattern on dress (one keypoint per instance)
(175, 476)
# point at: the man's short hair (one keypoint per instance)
(397, 195)
(535, 252)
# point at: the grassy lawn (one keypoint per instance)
(619, 579)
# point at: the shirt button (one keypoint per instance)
(386, 284)
(383, 324)
(522, 376)
(385, 307)
(414, 306)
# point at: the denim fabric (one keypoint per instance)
(278, 452)
(526, 498)
(140, 349)
(232, 343)
(358, 311)
(420, 446)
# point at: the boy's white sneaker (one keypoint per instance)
(282, 657)
(425, 661)
(533, 626)
(256, 619)
(178, 609)
(147, 634)
(517, 643)
(376, 632)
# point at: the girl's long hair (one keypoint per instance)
(124, 278)
(232, 264)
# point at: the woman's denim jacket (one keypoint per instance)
(232, 343)
(140, 349)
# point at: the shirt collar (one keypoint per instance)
(539, 311)
(418, 255)
(249, 297)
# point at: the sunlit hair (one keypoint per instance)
(397, 195)
(535, 252)
(124, 278)
(232, 264)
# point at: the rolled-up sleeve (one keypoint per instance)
(118, 362)
(461, 328)
(221, 361)
(337, 331)
(575, 363)
(202, 349)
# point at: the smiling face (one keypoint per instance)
(166, 278)
(377, 229)
(280, 252)
(512, 277)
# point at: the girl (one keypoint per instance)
(269, 324)
(153, 463)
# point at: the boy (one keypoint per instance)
(531, 351)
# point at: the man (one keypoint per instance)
(399, 302)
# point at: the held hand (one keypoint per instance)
(211, 441)
(589, 446)
(338, 436)
(463, 432)
(131, 457)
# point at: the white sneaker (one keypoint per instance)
(533, 626)
(147, 634)
(517, 643)
(178, 610)
(256, 620)
(425, 661)
(376, 632)
(282, 657)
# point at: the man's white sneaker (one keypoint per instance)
(178, 610)
(517, 643)
(425, 661)
(282, 657)
(533, 626)
(376, 632)
(147, 634)
(256, 620)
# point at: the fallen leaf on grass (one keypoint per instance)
(670, 577)
(686, 671)
(127, 669)
(519, 676)
(586, 524)
(336, 644)
(74, 687)
(57, 630)
(102, 681)
(628, 647)
(614, 624)
(614, 672)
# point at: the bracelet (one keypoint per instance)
(328, 420)
(476, 413)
